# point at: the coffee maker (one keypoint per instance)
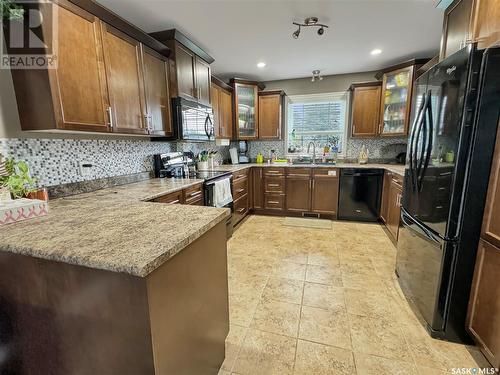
(243, 158)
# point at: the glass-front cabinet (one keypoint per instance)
(395, 104)
(246, 110)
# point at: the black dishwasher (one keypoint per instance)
(360, 194)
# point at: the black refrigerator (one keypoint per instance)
(455, 114)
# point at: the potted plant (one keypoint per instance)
(15, 176)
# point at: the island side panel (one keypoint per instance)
(57, 318)
(189, 307)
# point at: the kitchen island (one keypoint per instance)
(109, 283)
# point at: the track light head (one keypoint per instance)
(296, 33)
(321, 31)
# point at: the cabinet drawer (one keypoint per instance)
(240, 188)
(172, 198)
(327, 172)
(298, 172)
(274, 185)
(240, 209)
(274, 202)
(240, 175)
(272, 171)
(397, 179)
(193, 193)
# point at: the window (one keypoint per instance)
(318, 118)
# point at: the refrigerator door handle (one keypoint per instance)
(429, 142)
(416, 125)
(416, 168)
(419, 228)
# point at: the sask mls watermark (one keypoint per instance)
(30, 29)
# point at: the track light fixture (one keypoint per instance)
(316, 76)
(310, 21)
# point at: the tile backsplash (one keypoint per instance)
(56, 161)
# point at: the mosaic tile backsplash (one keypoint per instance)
(56, 161)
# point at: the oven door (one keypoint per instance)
(209, 201)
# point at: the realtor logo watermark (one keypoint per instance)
(30, 30)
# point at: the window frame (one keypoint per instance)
(326, 97)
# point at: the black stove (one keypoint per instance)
(210, 175)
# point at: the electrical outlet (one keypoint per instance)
(85, 168)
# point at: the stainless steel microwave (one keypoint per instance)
(193, 121)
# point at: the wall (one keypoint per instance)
(383, 149)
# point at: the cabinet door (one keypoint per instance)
(325, 195)
(202, 81)
(125, 81)
(270, 116)
(456, 27)
(157, 93)
(81, 95)
(298, 194)
(366, 111)
(483, 320)
(246, 110)
(396, 99)
(491, 218)
(486, 22)
(226, 114)
(184, 60)
(257, 189)
(384, 207)
(394, 209)
(216, 108)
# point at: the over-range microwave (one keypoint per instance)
(193, 121)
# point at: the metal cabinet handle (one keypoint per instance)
(195, 194)
(273, 202)
(275, 185)
(109, 111)
(240, 190)
(174, 202)
(241, 210)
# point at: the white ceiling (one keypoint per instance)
(240, 33)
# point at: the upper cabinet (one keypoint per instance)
(223, 109)
(246, 107)
(365, 109)
(396, 101)
(271, 107)
(122, 58)
(190, 74)
(105, 81)
(158, 109)
(470, 21)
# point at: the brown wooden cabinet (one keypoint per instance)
(103, 81)
(483, 321)
(241, 194)
(365, 112)
(122, 57)
(223, 110)
(325, 191)
(298, 189)
(486, 22)
(394, 206)
(246, 109)
(270, 114)
(190, 74)
(192, 195)
(257, 188)
(156, 83)
(457, 32)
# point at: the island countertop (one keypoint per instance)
(114, 229)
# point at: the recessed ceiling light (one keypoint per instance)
(261, 65)
(376, 51)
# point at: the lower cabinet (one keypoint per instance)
(257, 191)
(484, 307)
(384, 207)
(241, 195)
(192, 196)
(394, 206)
(325, 192)
(298, 196)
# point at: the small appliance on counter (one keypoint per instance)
(174, 164)
(234, 155)
(243, 158)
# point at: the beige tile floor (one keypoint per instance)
(317, 301)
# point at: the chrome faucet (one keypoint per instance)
(314, 150)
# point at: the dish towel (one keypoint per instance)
(222, 193)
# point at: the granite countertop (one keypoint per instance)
(114, 229)
(394, 168)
